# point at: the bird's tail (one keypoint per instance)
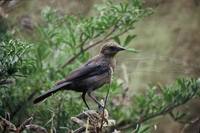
(51, 92)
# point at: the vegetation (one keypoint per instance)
(27, 67)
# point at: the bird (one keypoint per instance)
(92, 75)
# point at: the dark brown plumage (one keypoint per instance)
(91, 76)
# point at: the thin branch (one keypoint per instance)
(6, 124)
(79, 130)
(106, 38)
(104, 106)
(22, 127)
(177, 119)
(36, 128)
(26, 125)
(87, 48)
(124, 125)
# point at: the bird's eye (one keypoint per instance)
(112, 48)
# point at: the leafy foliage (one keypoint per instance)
(13, 59)
(61, 38)
(161, 101)
(73, 33)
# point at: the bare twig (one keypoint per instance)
(92, 121)
(79, 130)
(6, 125)
(24, 124)
(36, 128)
(105, 102)
(7, 116)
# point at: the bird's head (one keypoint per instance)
(112, 48)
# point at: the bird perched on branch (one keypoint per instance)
(91, 76)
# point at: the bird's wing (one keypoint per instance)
(87, 71)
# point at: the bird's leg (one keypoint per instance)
(83, 97)
(93, 98)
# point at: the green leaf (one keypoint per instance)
(117, 39)
(180, 115)
(128, 39)
(144, 129)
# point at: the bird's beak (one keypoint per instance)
(128, 49)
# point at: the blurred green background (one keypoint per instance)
(169, 41)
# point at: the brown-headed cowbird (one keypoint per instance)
(91, 76)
